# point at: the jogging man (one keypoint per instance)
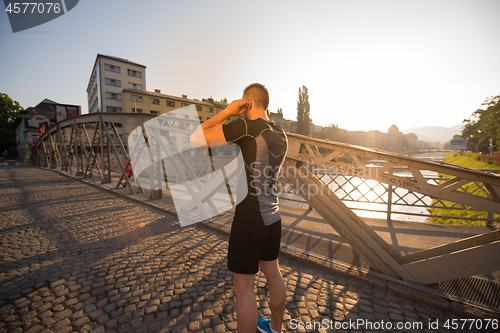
(256, 230)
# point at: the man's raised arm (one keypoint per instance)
(210, 133)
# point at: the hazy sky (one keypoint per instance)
(367, 64)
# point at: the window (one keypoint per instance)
(154, 101)
(136, 98)
(138, 110)
(113, 82)
(113, 109)
(170, 114)
(135, 86)
(155, 112)
(185, 116)
(118, 125)
(184, 105)
(133, 73)
(174, 138)
(198, 108)
(112, 68)
(109, 95)
(171, 103)
(210, 110)
(201, 119)
(185, 139)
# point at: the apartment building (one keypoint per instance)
(158, 104)
(110, 76)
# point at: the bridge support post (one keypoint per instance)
(489, 220)
(78, 150)
(389, 199)
(105, 155)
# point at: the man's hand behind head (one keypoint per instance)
(238, 106)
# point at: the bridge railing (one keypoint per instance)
(90, 146)
(373, 199)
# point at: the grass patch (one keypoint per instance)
(470, 161)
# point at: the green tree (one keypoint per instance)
(280, 111)
(10, 115)
(303, 120)
(334, 133)
(482, 126)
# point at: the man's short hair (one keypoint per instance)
(258, 94)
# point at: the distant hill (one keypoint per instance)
(434, 133)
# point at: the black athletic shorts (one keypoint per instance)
(251, 241)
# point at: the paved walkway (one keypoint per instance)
(75, 258)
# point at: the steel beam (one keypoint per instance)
(480, 259)
(354, 230)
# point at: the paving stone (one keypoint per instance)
(136, 322)
(81, 321)
(60, 324)
(96, 314)
(116, 312)
(65, 329)
(61, 315)
(99, 329)
(101, 303)
(44, 307)
(58, 307)
(48, 321)
(109, 307)
(59, 300)
(35, 329)
(57, 283)
(219, 328)
(103, 319)
(112, 323)
(231, 325)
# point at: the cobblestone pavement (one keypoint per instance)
(75, 258)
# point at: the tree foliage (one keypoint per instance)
(10, 114)
(482, 126)
(334, 133)
(303, 120)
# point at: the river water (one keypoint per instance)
(369, 209)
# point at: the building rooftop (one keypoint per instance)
(119, 59)
(113, 58)
(181, 99)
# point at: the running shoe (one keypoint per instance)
(263, 325)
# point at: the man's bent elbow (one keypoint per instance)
(197, 142)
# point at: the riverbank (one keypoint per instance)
(469, 160)
(464, 160)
